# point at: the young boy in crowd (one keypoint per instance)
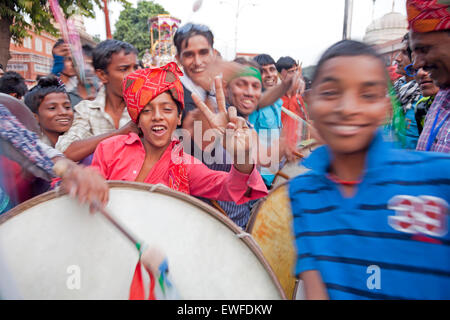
(370, 221)
(50, 104)
(13, 84)
(106, 116)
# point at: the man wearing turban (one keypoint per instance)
(429, 25)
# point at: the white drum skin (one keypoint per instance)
(50, 242)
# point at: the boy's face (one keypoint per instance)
(244, 94)
(121, 65)
(158, 120)
(55, 113)
(348, 102)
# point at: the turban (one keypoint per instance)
(144, 85)
(428, 15)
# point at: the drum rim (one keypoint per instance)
(160, 188)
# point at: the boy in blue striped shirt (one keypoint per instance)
(370, 222)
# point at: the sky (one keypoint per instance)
(302, 29)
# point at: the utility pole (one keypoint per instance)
(108, 26)
(373, 9)
(348, 13)
(238, 10)
(236, 29)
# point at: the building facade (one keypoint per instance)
(386, 34)
(34, 58)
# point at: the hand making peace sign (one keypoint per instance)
(237, 136)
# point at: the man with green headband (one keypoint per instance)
(267, 120)
(244, 92)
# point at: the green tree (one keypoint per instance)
(133, 27)
(17, 17)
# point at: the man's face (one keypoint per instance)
(432, 51)
(121, 65)
(269, 76)
(158, 120)
(288, 72)
(69, 69)
(195, 57)
(427, 86)
(402, 59)
(244, 94)
(348, 102)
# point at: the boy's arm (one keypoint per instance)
(313, 285)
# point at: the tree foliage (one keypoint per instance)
(133, 27)
(17, 17)
(36, 14)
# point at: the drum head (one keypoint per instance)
(57, 250)
(20, 111)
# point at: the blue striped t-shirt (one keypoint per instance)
(389, 241)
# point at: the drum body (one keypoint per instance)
(57, 250)
(271, 226)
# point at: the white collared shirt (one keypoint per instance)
(90, 119)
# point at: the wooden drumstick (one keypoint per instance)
(295, 116)
(61, 167)
(298, 154)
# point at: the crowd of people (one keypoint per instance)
(221, 130)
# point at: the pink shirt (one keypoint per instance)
(121, 158)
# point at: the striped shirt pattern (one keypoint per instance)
(343, 238)
(442, 140)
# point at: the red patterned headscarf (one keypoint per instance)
(142, 86)
(428, 15)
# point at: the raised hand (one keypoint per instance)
(237, 136)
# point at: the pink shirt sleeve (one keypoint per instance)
(225, 186)
(99, 161)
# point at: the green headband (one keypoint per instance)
(250, 72)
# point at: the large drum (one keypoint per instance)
(57, 250)
(271, 226)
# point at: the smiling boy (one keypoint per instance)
(363, 205)
(155, 101)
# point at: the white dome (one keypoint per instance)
(389, 27)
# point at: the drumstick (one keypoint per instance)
(60, 168)
(294, 116)
(126, 232)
